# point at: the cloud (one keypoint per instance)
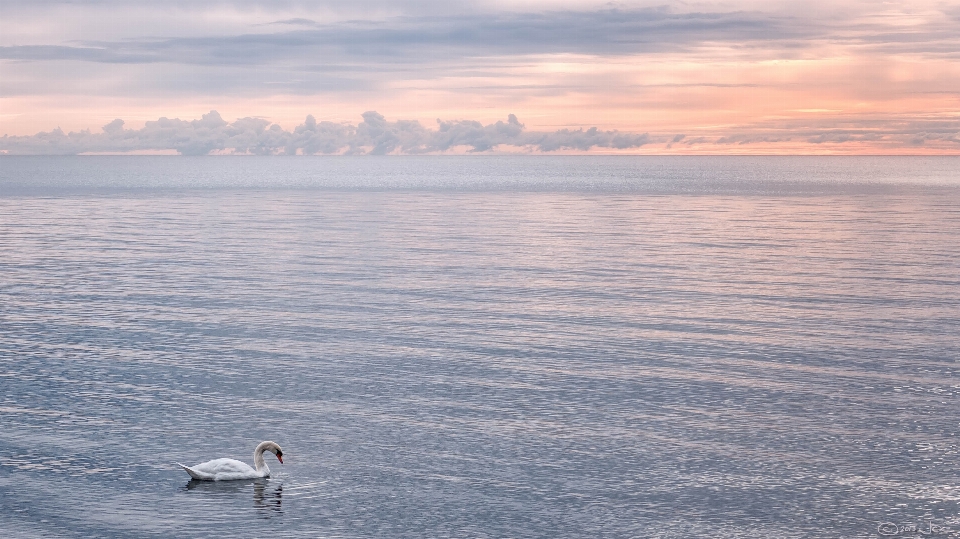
(421, 39)
(890, 132)
(375, 135)
(296, 21)
(410, 40)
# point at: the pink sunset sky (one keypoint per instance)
(744, 77)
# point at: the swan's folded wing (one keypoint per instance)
(223, 470)
(224, 466)
(196, 474)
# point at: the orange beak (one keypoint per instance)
(280, 458)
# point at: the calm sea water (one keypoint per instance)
(481, 347)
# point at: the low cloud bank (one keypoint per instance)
(374, 135)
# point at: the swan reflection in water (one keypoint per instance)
(267, 495)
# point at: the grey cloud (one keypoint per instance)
(953, 13)
(297, 56)
(584, 140)
(166, 81)
(301, 53)
(899, 139)
(411, 39)
(296, 21)
(87, 54)
(890, 131)
(674, 140)
(375, 135)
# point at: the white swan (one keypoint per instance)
(229, 469)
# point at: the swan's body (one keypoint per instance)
(225, 470)
(230, 469)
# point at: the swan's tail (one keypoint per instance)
(191, 471)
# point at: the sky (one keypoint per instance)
(740, 77)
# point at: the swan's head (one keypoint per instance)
(273, 448)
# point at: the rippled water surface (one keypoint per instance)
(480, 347)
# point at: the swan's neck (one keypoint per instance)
(258, 462)
(258, 457)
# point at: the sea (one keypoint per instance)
(486, 346)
